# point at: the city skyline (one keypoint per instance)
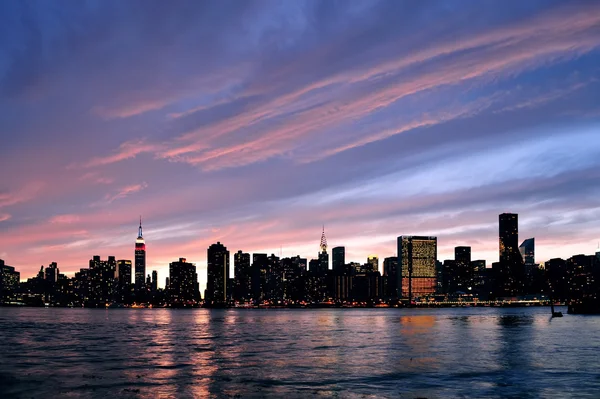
(204, 274)
(218, 125)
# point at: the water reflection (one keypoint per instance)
(295, 353)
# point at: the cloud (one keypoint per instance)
(127, 150)
(67, 219)
(125, 192)
(4, 217)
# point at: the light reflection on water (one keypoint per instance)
(341, 353)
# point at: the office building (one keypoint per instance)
(217, 268)
(183, 283)
(242, 276)
(338, 260)
(416, 259)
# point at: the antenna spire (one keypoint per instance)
(323, 241)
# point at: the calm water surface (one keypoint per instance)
(340, 353)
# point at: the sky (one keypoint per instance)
(255, 123)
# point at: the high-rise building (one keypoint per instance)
(140, 259)
(124, 272)
(323, 255)
(338, 259)
(217, 269)
(509, 275)
(103, 281)
(373, 262)
(416, 258)
(154, 281)
(183, 283)
(527, 250)
(9, 281)
(242, 276)
(463, 272)
(260, 268)
(390, 277)
(51, 273)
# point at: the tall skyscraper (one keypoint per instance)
(509, 275)
(242, 276)
(51, 273)
(390, 274)
(338, 258)
(508, 236)
(323, 255)
(217, 269)
(9, 281)
(183, 283)
(124, 272)
(416, 258)
(140, 259)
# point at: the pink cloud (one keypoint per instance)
(127, 150)
(4, 217)
(125, 191)
(67, 219)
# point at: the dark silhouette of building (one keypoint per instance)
(509, 275)
(583, 278)
(140, 259)
(183, 284)
(462, 276)
(479, 278)
(323, 255)
(51, 274)
(124, 278)
(217, 274)
(103, 282)
(390, 278)
(154, 281)
(338, 259)
(260, 269)
(242, 276)
(527, 251)
(373, 262)
(416, 259)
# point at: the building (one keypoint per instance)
(462, 278)
(527, 250)
(124, 272)
(103, 282)
(510, 273)
(217, 269)
(323, 255)
(373, 262)
(51, 274)
(183, 284)
(416, 258)
(260, 268)
(338, 260)
(140, 259)
(242, 276)
(9, 282)
(154, 281)
(390, 277)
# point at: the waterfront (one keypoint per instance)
(345, 353)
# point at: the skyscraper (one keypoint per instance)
(140, 259)
(323, 255)
(124, 272)
(154, 281)
(183, 283)
(103, 281)
(527, 250)
(508, 236)
(416, 258)
(243, 276)
(462, 279)
(338, 258)
(509, 274)
(217, 269)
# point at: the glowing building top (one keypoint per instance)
(323, 241)
(140, 239)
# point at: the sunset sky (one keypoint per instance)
(255, 123)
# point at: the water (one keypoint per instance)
(339, 353)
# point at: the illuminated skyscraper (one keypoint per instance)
(462, 276)
(140, 259)
(323, 255)
(416, 259)
(508, 236)
(217, 269)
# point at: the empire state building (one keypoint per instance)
(140, 259)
